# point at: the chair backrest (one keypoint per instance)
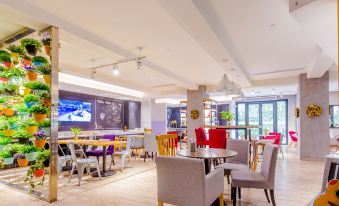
(130, 143)
(177, 184)
(277, 137)
(217, 138)
(72, 151)
(202, 134)
(293, 135)
(166, 144)
(177, 134)
(150, 142)
(269, 162)
(242, 147)
(198, 137)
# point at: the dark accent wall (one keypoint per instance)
(173, 113)
(118, 113)
(222, 107)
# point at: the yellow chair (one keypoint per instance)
(166, 144)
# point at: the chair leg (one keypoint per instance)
(122, 163)
(228, 179)
(266, 193)
(282, 153)
(234, 196)
(272, 197)
(239, 191)
(70, 177)
(221, 199)
(160, 203)
(145, 157)
(98, 171)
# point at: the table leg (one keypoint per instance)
(207, 166)
(245, 133)
(250, 139)
(255, 158)
(104, 173)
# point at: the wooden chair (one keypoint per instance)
(166, 144)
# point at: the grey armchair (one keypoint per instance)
(151, 146)
(265, 179)
(240, 161)
(182, 181)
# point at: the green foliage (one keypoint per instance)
(3, 52)
(45, 96)
(45, 123)
(226, 115)
(28, 149)
(44, 69)
(5, 57)
(16, 49)
(31, 98)
(46, 41)
(22, 134)
(39, 164)
(37, 85)
(8, 87)
(16, 72)
(2, 68)
(4, 124)
(13, 148)
(75, 130)
(5, 140)
(5, 154)
(38, 109)
(29, 122)
(29, 41)
(21, 108)
(3, 99)
(40, 59)
(26, 57)
(13, 120)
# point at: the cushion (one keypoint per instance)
(247, 179)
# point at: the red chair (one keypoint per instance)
(201, 138)
(276, 136)
(177, 139)
(294, 138)
(217, 138)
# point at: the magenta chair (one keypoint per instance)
(276, 136)
(294, 138)
(217, 138)
(201, 138)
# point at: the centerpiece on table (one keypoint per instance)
(76, 131)
(227, 116)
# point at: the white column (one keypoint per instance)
(158, 117)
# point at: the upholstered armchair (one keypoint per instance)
(182, 181)
(151, 146)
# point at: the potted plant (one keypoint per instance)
(46, 127)
(24, 91)
(39, 112)
(32, 46)
(25, 60)
(38, 170)
(31, 100)
(7, 157)
(30, 151)
(5, 59)
(17, 50)
(8, 88)
(46, 41)
(22, 111)
(22, 136)
(8, 109)
(3, 100)
(4, 77)
(76, 131)
(13, 122)
(39, 60)
(15, 74)
(40, 139)
(45, 70)
(4, 141)
(227, 116)
(37, 87)
(31, 73)
(21, 160)
(5, 127)
(46, 99)
(30, 126)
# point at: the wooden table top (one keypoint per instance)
(207, 153)
(92, 142)
(234, 127)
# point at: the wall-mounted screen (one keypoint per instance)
(74, 111)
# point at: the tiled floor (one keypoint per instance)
(296, 184)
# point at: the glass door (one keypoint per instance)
(267, 117)
(254, 118)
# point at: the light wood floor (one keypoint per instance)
(296, 184)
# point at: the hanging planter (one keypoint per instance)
(46, 41)
(40, 143)
(25, 60)
(39, 117)
(39, 172)
(31, 156)
(32, 46)
(47, 79)
(8, 160)
(48, 49)
(39, 60)
(24, 91)
(32, 75)
(39, 112)
(31, 129)
(3, 79)
(22, 162)
(23, 115)
(8, 132)
(31, 100)
(8, 112)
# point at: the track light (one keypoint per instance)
(93, 73)
(115, 70)
(139, 64)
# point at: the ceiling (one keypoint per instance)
(185, 46)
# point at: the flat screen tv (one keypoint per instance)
(74, 111)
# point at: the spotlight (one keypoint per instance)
(139, 64)
(93, 72)
(115, 70)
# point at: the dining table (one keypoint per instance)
(103, 143)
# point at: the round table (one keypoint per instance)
(207, 154)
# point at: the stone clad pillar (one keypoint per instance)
(195, 101)
(314, 132)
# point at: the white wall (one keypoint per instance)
(146, 114)
(158, 117)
